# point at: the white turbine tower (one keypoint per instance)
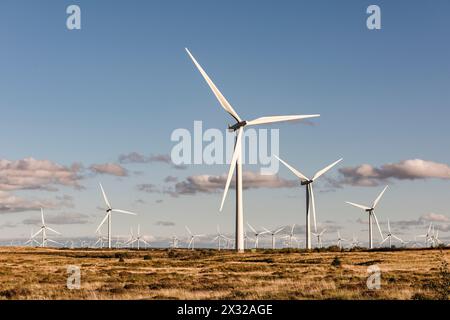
(256, 234)
(370, 211)
(108, 215)
(390, 236)
(310, 202)
(191, 244)
(319, 237)
(273, 233)
(43, 231)
(236, 161)
(340, 240)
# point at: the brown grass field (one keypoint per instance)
(36, 273)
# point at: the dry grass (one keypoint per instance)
(31, 273)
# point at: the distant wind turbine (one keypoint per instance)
(43, 231)
(370, 211)
(319, 237)
(191, 244)
(390, 235)
(256, 234)
(273, 233)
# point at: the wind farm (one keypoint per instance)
(217, 152)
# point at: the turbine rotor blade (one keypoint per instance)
(188, 230)
(52, 230)
(280, 229)
(273, 119)
(223, 102)
(103, 221)
(124, 211)
(42, 217)
(236, 154)
(357, 205)
(379, 197)
(34, 235)
(253, 229)
(105, 197)
(378, 225)
(324, 170)
(294, 171)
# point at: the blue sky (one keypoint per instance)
(124, 82)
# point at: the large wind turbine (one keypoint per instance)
(370, 211)
(43, 231)
(236, 161)
(310, 202)
(108, 215)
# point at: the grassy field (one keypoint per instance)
(35, 273)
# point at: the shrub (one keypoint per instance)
(336, 262)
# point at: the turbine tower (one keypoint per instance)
(370, 211)
(310, 202)
(236, 161)
(108, 215)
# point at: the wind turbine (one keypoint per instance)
(355, 241)
(435, 238)
(273, 234)
(138, 238)
(219, 237)
(31, 240)
(174, 242)
(390, 236)
(370, 211)
(319, 237)
(43, 231)
(192, 238)
(256, 234)
(108, 215)
(340, 240)
(236, 161)
(427, 236)
(310, 202)
(291, 236)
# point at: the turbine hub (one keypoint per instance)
(237, 126)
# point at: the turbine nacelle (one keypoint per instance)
(306, 182)
(236, 126)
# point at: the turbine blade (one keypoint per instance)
(124, 211)
(358, 205)
(42, 217)
(397, 238)
(273, 119)
(280, 229)
(389, 226)
(105, 197)
(253, 229)
(379, 197)
(294, 171)
(384, 240)
(324, 170)
(52, 230)
(103, 221)
(378, 225)
(188, 230)
(34, 235)
(236, 154)
(223, 102)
